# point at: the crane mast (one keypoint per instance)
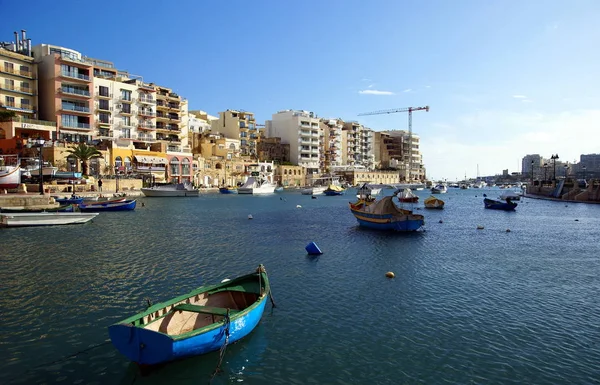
(410, 111)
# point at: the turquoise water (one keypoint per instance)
(466, 306)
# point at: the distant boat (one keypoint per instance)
(61, 209)
(125, 205)
(313, 190)
(433, 203)
(201, 321)
(407, 196)
(260, 180)
(439, 189)
(67, 201)
(44, 219)
(499, 205)
(228, 190)
(279, 189)
(385, 215)
(171, 190)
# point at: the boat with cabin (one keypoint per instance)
(10, 171)
(185, 189)
(440, 188)
(261, 179)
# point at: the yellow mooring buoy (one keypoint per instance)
(390, 274)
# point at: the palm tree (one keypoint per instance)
(83, 152)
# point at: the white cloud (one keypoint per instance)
(375, 92)
(498, 140)
(370, 85)
(519, 96)
(427, 86)
(407, 90)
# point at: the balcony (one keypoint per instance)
(146, 126)
(147, 87)
(173, 95)
(104, 96)
(84, 126)
(125, 112)
(74, 91)
(16, 106)
(174, 106)
(104, 134)
(75, 108)
(147, 100)
(16, 72)
(17, 89)
(146, 113)
(125, 124)
(126, 99)
(103, 109)
(104, 123)
(146, 138)
(75, 75)
(174, 119)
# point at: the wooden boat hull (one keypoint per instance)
(126, 205)
(60, 209)
(44, 219)
(69, 201)
(433, 203)
(137, 339)
(409, 200)
(409, 222)
(331, 193)
(497, 205)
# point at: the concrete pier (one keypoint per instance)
(569, 191)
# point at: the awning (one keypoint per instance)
(151, 159)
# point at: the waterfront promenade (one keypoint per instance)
(567, 190)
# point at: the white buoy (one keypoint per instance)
(250, 216)
(298, 206)
(479, 227)
(225, 280)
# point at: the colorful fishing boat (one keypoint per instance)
(202, 321)
(508, 205)
(67, 201)
(125, 205)
(228, 190)
(385, 215)
(433, 203)
(334, 189)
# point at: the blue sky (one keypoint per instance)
(503, 78)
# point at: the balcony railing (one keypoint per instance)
(14, 71)
(73, 107)
(12, 87)
(147, 126)
(75, 125)
(22, 120)
(74, 91)
(74, 75)
(146, 113)
(101, 95)
(147, 100)
(16, 105)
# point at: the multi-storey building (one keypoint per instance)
(393, 151)
(359, 145)
(239, 124)
(302, 131)
(19, 95)
(532, 166)
(271, 149)
(331, 155)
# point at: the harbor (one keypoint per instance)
(465, 302)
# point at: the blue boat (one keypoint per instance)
(228, 190)
(385, 215)
(67, 201)
(499, 205)
(202, 321)
(125, 205)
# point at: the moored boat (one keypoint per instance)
(433, 203)
(228, 190)
(508, 205)
(407, 196)
(171, 190)
(385, 215)
(60, 209)
(44, 219)
(439, 189)
(125, 205)
(313, 190)
(204, 320)
(334, 189)
(10, 171)
(261, 180)
(67, 201)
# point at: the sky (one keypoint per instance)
(503, 78)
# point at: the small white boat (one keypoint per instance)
(44, 219)
(10, 174)
(512, 195)
(261, 180)
(439, 189)
(171, 190)
(314, 190)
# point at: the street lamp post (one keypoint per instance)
(40, 144)
(532, 162)
(583, 173)
(566, 171)
(116, 179)
(554, 157)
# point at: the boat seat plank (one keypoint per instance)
(253, 289)
(204, 309)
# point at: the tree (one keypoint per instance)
(83, 152)
(6, 116)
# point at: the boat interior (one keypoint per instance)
(202, 309)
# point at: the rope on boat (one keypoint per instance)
(261, 269)
(226, 325)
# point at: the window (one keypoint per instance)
(24, 70)
(126, 108)
(126, 95)
(104, 117)
(126, 121)
(103, 91)
(185, 166)
(9, 84)
(103, 105)
(25, 104)
(25, 87)
(10, 101)
(8, 67)
(174, 166)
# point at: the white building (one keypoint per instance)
(302, 131)
(358, 145)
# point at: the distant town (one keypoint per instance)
(142, 129)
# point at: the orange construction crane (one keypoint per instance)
(409, 110)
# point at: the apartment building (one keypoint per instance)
(19, 94)
(358, 149)
(393, 151)
(199, 121)
(302, 131)
(331, 153)
(273, 150)
(239, 124)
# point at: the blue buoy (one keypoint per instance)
(313, 249)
